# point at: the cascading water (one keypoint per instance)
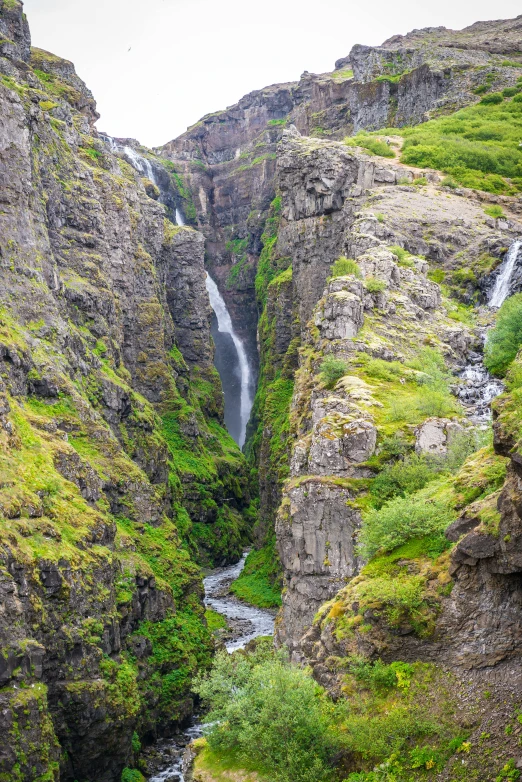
(142, 165)
(236, 361)
(479, 388)
(502, 285)
(248, 623)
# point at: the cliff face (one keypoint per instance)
(114, 462)
(229, 158)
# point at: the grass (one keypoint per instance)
(215, 621)
(372, 144)
(477, 146)
(220, 767)
(259, 583)
(344, 267)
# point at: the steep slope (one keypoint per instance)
(116, 472)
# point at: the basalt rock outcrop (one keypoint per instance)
(116, 471)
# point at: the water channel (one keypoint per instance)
(246, 623)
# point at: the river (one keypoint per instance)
(246, 623)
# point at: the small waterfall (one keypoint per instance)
(143, 166)
(478, 388)
(225, 327)
(501, 289)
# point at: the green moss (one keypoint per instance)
(259, 582)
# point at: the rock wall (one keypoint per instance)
(116, 471)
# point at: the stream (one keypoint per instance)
(246, 623)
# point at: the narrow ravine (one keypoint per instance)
(246, 622)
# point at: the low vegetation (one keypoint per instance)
(505, 338)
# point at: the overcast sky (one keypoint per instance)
(157, 66)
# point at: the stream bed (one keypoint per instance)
(246, 622)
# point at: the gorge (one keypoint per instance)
(265, 336)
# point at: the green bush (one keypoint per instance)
(333, 369)
(510, 92)
(494, 211)
(505, 338)
(136, 743)
(402, 519)
(378, 676)
(403, 255)
(373, 285)
(131, 775)
(272, 714)
(448, 181)
(345, 266)
(401, 478)
(517, 99)
(494, 98)
(372, 144)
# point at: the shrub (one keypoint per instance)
(333, 369)
(492, 99)
(437, 403)
(136, 743)
(373, 285)
(448, 181)
(480, 90)
(494, 211)
(509, 92)
(403, 255)
(378, 676)
(132, 775)
(403, 519)
(517, 99)
(372, 144)
(477, 146)
(272, 714)
(505, 338)
(401, 478)
(345, 266)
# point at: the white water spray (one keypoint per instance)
(501, 290)
(225, 326)
(142, 165)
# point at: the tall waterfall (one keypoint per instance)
(501, 290)
(142, 165)
(224, 323)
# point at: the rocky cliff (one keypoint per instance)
(229, 158)
(114, 462)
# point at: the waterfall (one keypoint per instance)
(501, 290)
(142, 165)
(225, 326)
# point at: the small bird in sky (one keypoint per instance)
(128, 50)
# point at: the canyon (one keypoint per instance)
(227, 342)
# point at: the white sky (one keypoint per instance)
(191, 57)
